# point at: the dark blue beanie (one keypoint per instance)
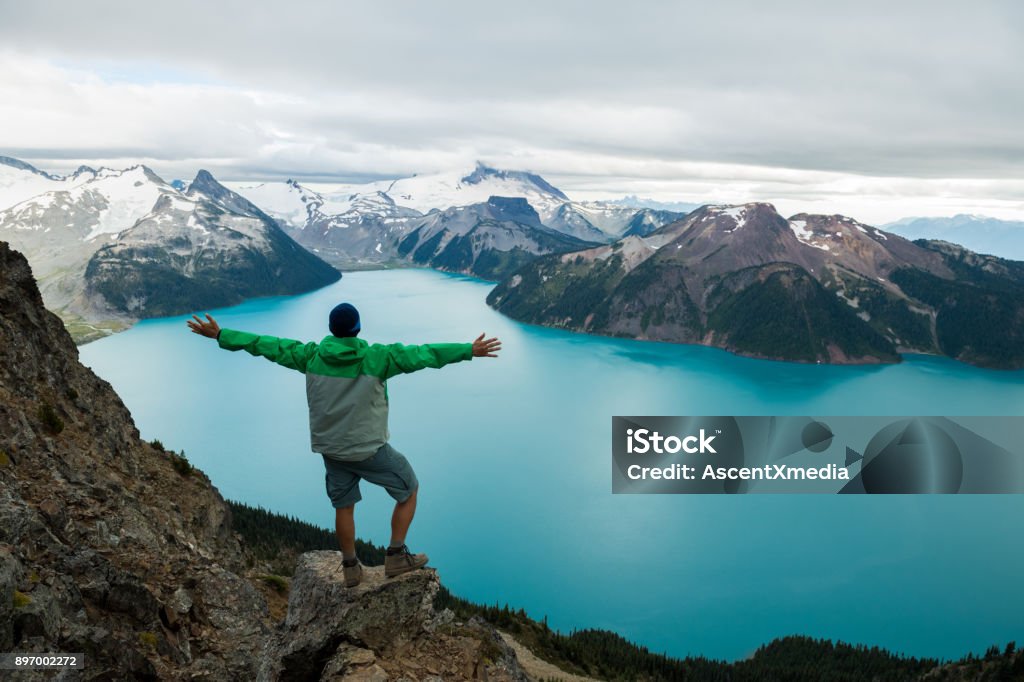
(344, 320)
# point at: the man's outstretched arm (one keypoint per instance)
(286, 352)
(400, 359)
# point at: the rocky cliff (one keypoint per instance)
(122, 551)
(107, 546)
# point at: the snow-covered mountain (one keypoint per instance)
(590, 221)
(647, 220)
(381, 211)
(92, 203)
(604, 221)
(354, 228)
(205, 248)
(1003, 238)
(62, 226)
(20, 181)
(444, 190)
(70, 218)
(292, 204)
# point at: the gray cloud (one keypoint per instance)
(326, 89)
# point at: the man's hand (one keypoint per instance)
(208, 328)
(486, 348)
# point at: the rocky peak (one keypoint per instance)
(205, 186)
(714, 238)
(204, 181)
(383, 629)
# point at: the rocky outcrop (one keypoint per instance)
(383, 629)
(107, 546)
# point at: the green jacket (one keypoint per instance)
(345, 383)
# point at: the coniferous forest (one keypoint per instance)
(278, 540)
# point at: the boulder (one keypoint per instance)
(384, 628)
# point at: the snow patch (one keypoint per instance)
(806, 236)
(799, 228)
(852, 302)
(738, 215)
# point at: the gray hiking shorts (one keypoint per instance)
(387, 468)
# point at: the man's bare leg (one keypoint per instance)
(399, 559)
(402, 518)
(345, 528)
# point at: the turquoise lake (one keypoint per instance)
(513, 457)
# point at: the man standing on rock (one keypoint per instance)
(348, 417)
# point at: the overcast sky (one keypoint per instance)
(878, 110)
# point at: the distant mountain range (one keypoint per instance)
(109, 247)
(363, 225)
(1003, 238)
(633, 201)
(811, 288)
(112, 246)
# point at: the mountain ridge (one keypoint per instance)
(811, 288)
(314, 218)
(71, 227)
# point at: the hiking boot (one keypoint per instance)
(400, 560)
(353, 573)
